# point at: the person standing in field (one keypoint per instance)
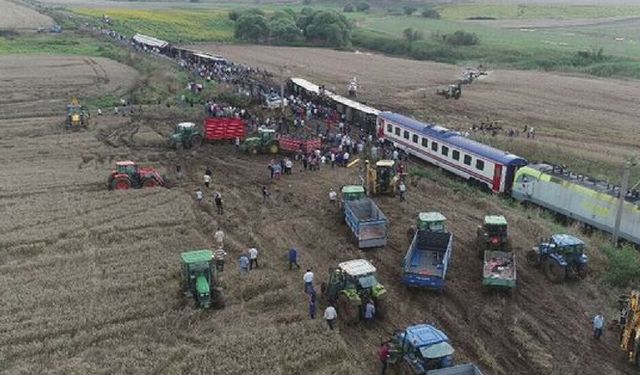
(308, 281)
(293, 258)
(244, 264)
(219, 257)
(253, 257)
(402, 188)
(598, 324)
(219, 237)
(207, 180)
(312, 305)
(178, 172)
(217, 198)
(330, 315)
(265, 194)
(333, 197)
(383, 354)
(369, 313)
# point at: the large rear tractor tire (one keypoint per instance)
(554, 272)
(121, 183)
(149, 183)
(381, 309)
(346, 311)
(533, 259)
(410, 233)
(583, 271)
(195, 141)
(218, 298)
(252, 150)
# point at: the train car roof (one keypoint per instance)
(454, 138)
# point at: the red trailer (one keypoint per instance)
(290, 143)
(224, 129)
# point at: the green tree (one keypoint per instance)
(328, 27)
(348, 8)
(283, 28)
(362, 6)
(409, 10)
(431, 13)
(252, 27)
(412, 35)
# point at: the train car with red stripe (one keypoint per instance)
(464, 157)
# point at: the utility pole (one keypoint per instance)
(282, 70)
(623, 193)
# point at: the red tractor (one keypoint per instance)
(128, 175)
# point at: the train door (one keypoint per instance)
(497, 177)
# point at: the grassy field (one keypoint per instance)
(173, 25)
(54, 44)
(510, 11)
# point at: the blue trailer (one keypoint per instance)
(367, 223)
(466, 369)
(427, 260)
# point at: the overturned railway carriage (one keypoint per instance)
(471, 160)
(578, 197)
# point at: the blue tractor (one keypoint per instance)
(560, 257)
(420, 348)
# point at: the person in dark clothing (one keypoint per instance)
(304, 162)
(383, 354)
(217, 198)
(293, 258)
(208, 172)
(312, 304)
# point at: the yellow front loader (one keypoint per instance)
(630, 322)
(382, 179)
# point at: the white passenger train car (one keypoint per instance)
(451, 151)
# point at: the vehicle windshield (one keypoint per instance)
(368, 281)
(496, 229)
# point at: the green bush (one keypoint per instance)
(234, 15)
(462, 38)
(362, 6)
(431, 13)
(348, 8)
(412, 35)
(409, 10)
(623, 266)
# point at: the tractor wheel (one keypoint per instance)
(554, 272)
(480, 249)
(218, 299)
(121, 183)
(533, 259)
(583, 271)
(252, 150)
(195, 141)
(381, 309)
(149, 183)
(347, 312)
(273, 148)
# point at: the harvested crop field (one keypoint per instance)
(583, 117)
(14, 16)
(89, 277)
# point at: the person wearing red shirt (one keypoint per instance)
(383, 354)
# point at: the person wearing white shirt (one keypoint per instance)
(333, 196)
(345, 158)
(330, 315)
(253, 257)
(207, 180)
(308, 281)
(219, 237)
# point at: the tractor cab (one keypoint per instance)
(570, 248)
(197, 276)
(423, 347)
(351, 285)
(492, 234)
(352, 192)
(383, 178)
(431, 221)
(186, 134)
(127, 167)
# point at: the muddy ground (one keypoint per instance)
(89, 277)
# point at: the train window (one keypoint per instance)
(434, 146)
(467, 160)
(415, 138)
(445, 150)
(406, 135)
(389, 128)
(456, 155)
(397, 131)
(479, 165)
(425, 142)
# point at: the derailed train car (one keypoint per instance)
(578, 197)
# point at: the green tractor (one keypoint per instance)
(351, 285)
(264, 143)
(431, 221)
(186, 135)
(492, 235)
(350, 193)
(199, 279)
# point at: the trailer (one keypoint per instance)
(427, 260)
(499, 269)
(367, 223)
(224, 129)
(466, 369)
(292, 144)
